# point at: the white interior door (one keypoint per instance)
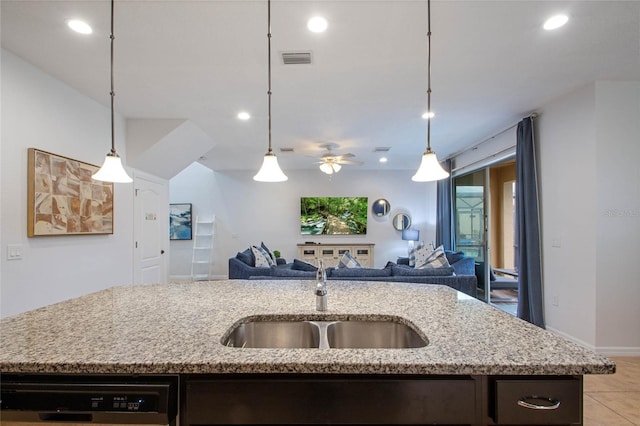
(151, 229)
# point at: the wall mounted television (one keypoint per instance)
(333, 215)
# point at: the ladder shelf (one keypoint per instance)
(203, 237)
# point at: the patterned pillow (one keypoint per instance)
(262, 258)
(347, 261)
(269, 252)
(426, 258)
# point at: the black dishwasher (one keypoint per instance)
(107, 399)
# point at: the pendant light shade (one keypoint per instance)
(270, 170)
(112, 170)
(430, 168)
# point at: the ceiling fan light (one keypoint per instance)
(430, 169)
(336, 167)
(112, 170)
(326, 168)
(270, 170)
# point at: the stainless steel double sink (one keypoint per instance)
(339, 334)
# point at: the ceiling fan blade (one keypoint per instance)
(351, 162)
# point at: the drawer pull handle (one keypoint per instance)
(533, 403)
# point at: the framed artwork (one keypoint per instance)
(63, 199)
(180, 221)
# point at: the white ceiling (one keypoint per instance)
(206, 60)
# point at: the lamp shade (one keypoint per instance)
(430, 169)
(112, 170)
(411, 235)
(270, 170)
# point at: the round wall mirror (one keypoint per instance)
(401, 221)
(381, 207)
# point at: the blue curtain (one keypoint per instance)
(444, 220)
(530, 298)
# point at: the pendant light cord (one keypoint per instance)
(112, 93)
(429, 76)
(269, 66)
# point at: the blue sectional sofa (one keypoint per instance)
(460, 276)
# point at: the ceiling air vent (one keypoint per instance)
(381, 149)
(286, 149)
(296, 58)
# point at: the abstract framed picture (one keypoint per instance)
(180, 221)
(63, 199)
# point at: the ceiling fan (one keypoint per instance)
(331, 163)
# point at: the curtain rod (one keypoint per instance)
(454, 155)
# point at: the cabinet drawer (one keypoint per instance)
(330, 400)
(548, 400)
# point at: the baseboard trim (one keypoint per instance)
(572, 338)
(618, 351)
(601, 350)
(179, 278)
(187, 278)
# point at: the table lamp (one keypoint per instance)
(411, 235)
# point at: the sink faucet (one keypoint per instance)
(321, 288)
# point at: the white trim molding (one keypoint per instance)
(601, 350)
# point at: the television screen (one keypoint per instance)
(333, 215)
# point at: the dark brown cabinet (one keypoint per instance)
(536, 400)
(381, 399)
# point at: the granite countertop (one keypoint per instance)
(177, 328)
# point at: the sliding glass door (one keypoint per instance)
(485, 228)
(470, 223)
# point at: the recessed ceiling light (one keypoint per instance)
(243, 115)
(317, 24)
(383, 159)
(555, 22)
(79, 26)
(429, 115)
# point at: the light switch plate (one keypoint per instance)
(14, 251)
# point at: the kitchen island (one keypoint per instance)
(474, 351)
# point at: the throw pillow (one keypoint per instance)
(426, 258)
(407, 271)
(247, 257)
(301, 265)
(269, 252)
(453, 256)
(360, 273)
(262, 258)
(348, 261)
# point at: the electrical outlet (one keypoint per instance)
(14, 251)
(555, 301)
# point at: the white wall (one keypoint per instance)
(248, 212)
(618, 216)
(41, 112)
(588, 146)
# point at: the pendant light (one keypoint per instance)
(270, 170)
(430, 168)
(112, 170)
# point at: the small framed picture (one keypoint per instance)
(180, 221)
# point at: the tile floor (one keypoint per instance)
(613, 399)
